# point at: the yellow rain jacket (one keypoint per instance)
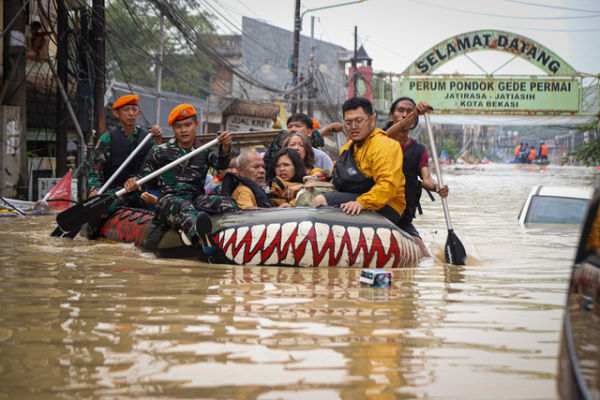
(380, 157)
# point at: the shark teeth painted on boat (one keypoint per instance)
(339, 234)
(384, 236)
(240, 235)
(322, 234)
(286, 231)
(308, 244)
(304, 228)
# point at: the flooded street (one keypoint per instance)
(96, 320)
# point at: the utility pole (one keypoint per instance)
(99, 69)
(311, 67)
(354, 60)
(61, 68)
(297, 28)
(159, 67)
(13, 158)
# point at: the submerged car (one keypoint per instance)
(556, 205)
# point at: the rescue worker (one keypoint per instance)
(368, 173)
(415, 165)
(518, 151)
(182, 203)
(112, 149)
(532, 155)
(248, 188)
(116, 145)
(524, 154)
(543, 152)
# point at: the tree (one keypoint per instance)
(588, 153)
(133, 42)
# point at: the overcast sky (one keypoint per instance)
(396, 32)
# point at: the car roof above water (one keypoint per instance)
(579, 192)
(555, 204)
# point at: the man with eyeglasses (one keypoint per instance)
(404, 116)
(368, 173)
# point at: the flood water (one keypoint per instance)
(81, 319)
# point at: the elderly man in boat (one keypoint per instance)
(368, 173)
(248, 187)
(182, 203)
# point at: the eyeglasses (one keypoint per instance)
(355, 123)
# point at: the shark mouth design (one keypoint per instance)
(308, 244)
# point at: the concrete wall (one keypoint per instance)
(13, 149)
(265, 52)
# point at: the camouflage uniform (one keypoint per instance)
(100, 157)
(181, 188)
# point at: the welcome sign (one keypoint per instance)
(464, 43)
(512, 95)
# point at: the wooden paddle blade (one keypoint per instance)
(455, 251)
(93, 208)
(62, 234)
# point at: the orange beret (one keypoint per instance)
(315, 123)
(182, 111)
(126, 100)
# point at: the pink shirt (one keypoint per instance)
(424, 160)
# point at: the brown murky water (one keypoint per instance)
(83, 319)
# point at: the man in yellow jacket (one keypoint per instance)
(368, 173)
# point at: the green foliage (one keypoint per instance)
(133, 44)
(590, 126)
(587, 153)
(449, 147)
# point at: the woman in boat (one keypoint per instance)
(285, 175)
(302, 145)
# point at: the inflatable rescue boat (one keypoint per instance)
(295, 237)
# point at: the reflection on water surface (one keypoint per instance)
(93, 319)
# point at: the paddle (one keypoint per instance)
(58, 232)
(11, 206)
(96, 206)
(454, 249)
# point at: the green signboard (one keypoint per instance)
(535, 95)
(517, 45)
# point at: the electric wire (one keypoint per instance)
(502, 16)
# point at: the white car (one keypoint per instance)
(556, 205)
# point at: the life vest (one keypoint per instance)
(346, 177)
(231, 181)
(543, 150)
(278, 186)
(120, 150)
(532, 154)
(517, 150)
(413, 187)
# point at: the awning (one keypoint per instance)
(504, 120)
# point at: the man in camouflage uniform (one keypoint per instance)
(112, 150)
(182, 203)
(117, 144)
